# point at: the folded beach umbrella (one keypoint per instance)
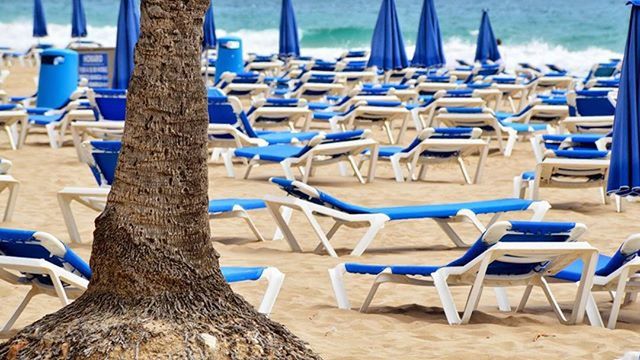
(289, 42)
(39, 21)
(487, 47)
(209, 40)
(127, 37)
(624, 173)
(387, 44)
(78, 20)
(429, 50)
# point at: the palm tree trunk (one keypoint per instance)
(156, 289)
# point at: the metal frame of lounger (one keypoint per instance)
(473, 274)
(423, 116)
(67, 285)
(481, 120)
(587, 125)
(321, 154)
(293, 113)
(623, 285)
(364, 114)
(10, 120)
(552, 172)
(556, 83)
(281, 208)
(414, 158)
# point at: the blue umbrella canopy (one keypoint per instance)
(127, 37)
(624, 173)
(387, 44)
(487, 47)
(289, 41)
(39, 21)
(429, 50)
(78, 20)
(209, 40)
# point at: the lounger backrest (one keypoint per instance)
(469, 117)
(313, 195)
(112, 103)
(37, 245)
(520, 231)
(590, 103)
(628, 251)
(568, 142)
(223, 112)
(105, 160)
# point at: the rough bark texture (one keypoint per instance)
(156, 290)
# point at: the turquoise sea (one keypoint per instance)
(562, 29)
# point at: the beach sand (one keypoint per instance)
(404, 322)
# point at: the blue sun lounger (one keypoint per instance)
(49, 267)
(435, 145)
(574, 162)
(508, 254)
(323, 149)
(312, 202)
(616, 274)
(103, 157)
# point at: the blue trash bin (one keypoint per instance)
(229, 56)
(58, 77)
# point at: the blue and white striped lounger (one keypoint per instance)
(508, 254)
(103, 159)
(617, 274)
(40, 260)
(311, 202)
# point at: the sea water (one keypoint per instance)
(570, 33)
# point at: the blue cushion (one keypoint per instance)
(464, 110)
(5, 107)
(525, 127)
(388, 151)
(581, 154)
(285, 137)
(43, 120)
(239, 273)
(275, 153)
(226, 205)
(528, 175)
(574, 271)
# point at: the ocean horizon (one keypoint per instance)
(571, 33)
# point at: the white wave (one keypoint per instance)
(536, 52)
(18, 35)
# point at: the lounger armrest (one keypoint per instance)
(43, 267)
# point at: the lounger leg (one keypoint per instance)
(552, 301)
(53, 136)
(248, 171)
(618, 200)
(463, 168)
(57, 285)
(274, 279)
(448, 304)
(216, 153)
(16, 314)
(592, 312)
(373, 163)
(511, 142)
(227, 157)
(254, 229)
(330, 235)
(502, 298)
(12, 139)
(618, 299)
(423, 171)
(13, 186)
(519, 191)
(64, 201)
(381, 278)
(397, 169)
(283, 226)
(288, 172)
(603, 195)
(584, 287)
(484, 153)
(336, 275)
(286, 214)
(476, 292)
(389, 132)
(451, 233)
(354, 166)
(367, 239)
(525, 298)
(319, 232)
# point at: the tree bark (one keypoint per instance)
(156, 290)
